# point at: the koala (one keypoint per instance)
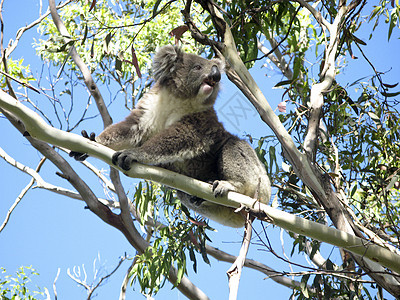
(175, 126)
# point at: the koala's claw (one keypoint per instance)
(82, 156)
(78, 156)
(115, 157)
(221, 188)
(91, 137)
(123, 159)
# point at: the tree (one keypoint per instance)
(340, 147)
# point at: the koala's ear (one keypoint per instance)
(164, 62)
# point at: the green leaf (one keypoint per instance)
(203, 252)
(353, 191)
(272, 158)
(314, 249)
(390, 94)
(393, 21)
(374, 117)
(303, 285)
(392, 182)
(358, 41)
(192, 257)
(358, 80)
(179, 276)
(375, 12)
(64, 47)
(282, 83)
(92, 49)
(296, 67)
(107, 41)
(65, 61)
(253, 49)
(85, 35)
(118, 66)
(391, 86)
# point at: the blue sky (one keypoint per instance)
(49, 231)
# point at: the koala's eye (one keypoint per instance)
(197, 67)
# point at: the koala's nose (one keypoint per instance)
(215, 74)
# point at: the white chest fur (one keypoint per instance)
(161, 109)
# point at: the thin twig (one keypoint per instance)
(20, 82)
(87, 75)
(281, 41)
(54, 284)
(317, 15)
(235, 271)
(122, 295)
(11, 161)
(21, 31)
(107, 276)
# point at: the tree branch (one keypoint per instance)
(42, 184)
(25, 169)
(87, 76)
(235, 271)
(317, 15)
(317, 182)
(101, 210)
(93, 288)
(37, 128)
(318, 90)
(277, 59)
(214, 252)
(22, 30)
(255, 265)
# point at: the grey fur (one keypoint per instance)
(175, 126)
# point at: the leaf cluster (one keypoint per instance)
(170, 244)
(115, 40)
(19, 286)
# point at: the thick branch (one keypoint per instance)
(37, 128)
(318, 183)
(319, 89)
(101, 210)
(214, 252)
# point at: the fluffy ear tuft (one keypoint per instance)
(164, 62)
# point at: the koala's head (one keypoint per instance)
(187, 76)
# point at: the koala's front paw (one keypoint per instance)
(82, 156)
(123, 159)
(221, 188)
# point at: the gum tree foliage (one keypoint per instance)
(357, 144)
(19, 286)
